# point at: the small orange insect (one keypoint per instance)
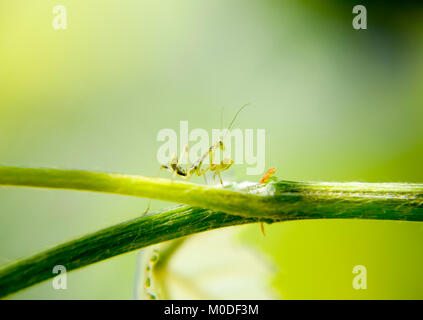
(264, 180)
(267, 176)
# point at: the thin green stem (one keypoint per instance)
(115, 240)
(283, 200)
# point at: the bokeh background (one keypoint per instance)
(337, 104)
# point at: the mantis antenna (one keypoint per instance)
(233, 119)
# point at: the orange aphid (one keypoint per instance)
(263, 180)
(267, 175)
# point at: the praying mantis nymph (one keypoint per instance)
(176, 169)
(175, 165)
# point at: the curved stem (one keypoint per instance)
(118, 239)
(281, 200)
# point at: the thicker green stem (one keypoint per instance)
(115, 240)
(283, 200)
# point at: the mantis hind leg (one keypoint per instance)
(262, 229)
(220, 177)
(148, 208)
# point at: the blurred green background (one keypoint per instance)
(337, 104)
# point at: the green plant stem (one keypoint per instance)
(115, 240)
(284, 200)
